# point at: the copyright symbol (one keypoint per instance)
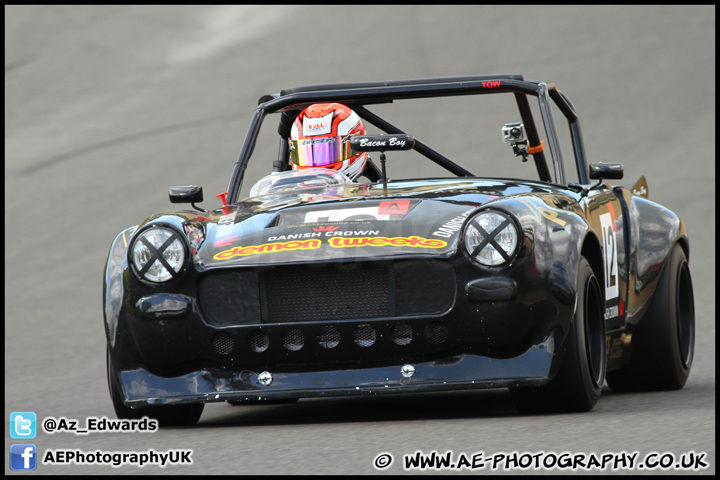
(384, 460)
(49, 425)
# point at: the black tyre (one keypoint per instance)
(663, 343)
(578, 384)
(166, 415)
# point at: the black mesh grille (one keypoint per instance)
(364, 335)
(402, 334)
(230, 298)
(328, 337)
(436, 332)
(323, 340)
(222, 343)
(293, 339)
(258, 341)
(327, 292)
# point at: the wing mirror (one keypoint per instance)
(191, 194)
(608, 171)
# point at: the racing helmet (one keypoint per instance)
(319, 137)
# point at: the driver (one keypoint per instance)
(318, 138)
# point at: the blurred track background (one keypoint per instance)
(108, 106)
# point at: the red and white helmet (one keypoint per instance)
(318, 138)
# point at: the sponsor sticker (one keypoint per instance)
(226, 241)
(385, 211)
(396, 207)
(225, 224)
(551, 215)
(419, 242)
(345, 214)
(241, 251)
(449, 228)
(608, 228)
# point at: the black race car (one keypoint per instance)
(318, 286)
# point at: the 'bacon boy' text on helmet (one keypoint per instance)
(318, 138)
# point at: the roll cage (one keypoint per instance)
(357, 96)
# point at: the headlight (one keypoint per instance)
(158, 254)
(491, 238)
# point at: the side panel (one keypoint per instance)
(653, 231)
(606, 216)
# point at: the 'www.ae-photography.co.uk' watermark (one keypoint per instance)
(545, 461)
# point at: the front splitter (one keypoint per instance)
(459, 372)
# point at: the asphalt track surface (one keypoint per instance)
(107, 107)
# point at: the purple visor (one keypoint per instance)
(319, 152)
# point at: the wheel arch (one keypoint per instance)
(684, 243)
(593, 253)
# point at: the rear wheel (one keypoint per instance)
(166, 415)
(578, 385)
(663, 342)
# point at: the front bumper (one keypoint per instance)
(483, 332)
(460, 372)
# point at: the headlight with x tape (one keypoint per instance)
(158, 254)
(492, 238)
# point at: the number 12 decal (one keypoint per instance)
(607, 224)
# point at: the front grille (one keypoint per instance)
(327, 292)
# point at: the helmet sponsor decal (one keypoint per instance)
(314, 141)
(317, 126)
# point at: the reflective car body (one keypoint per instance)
(325, 287)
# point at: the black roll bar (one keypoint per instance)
(357, 95)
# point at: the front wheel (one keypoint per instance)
(663, 343)
(579, 382)
(166, 415)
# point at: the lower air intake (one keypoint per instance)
(402, 334)
(258, 341)
(436, 332)
(223, 343)
(328, 337)
(364, 335)
(293, 339)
